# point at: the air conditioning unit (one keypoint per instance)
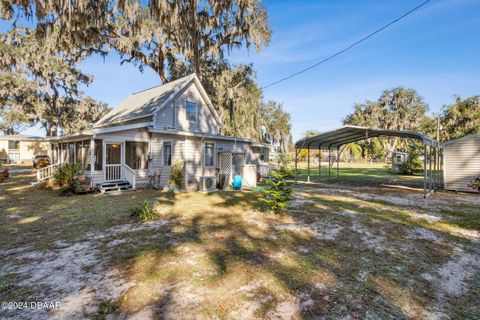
(208, 183)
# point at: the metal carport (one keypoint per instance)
(334, 140)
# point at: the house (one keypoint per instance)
(461, 162)
(153, 129)
(21, 148)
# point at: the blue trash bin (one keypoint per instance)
(237, 182)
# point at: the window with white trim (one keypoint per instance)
(209, 154)
(191, 110)
(167, 153)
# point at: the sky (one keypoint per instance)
(435, 50)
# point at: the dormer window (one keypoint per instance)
(191, 111)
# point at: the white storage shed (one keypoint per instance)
(461, 162)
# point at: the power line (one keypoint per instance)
(345, 49)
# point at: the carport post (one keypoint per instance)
(338, 159)
(435, 173)
(329, 162)
(296, 172)
(319, 163)
(430, 168)
(424, 170)
(308, 164)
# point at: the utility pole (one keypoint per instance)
(438, 128)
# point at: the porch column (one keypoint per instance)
(92, 157)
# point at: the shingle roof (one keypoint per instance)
(143, 103)
(20, 137)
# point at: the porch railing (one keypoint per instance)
(113, 172)
(46, 172)
(130, 175)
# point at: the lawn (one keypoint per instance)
(355, 173)
(369, 252)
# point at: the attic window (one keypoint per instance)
(191, 111)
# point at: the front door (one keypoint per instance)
(113, 162)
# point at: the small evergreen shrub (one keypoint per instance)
(64, 177)
(474, 184)
(145, 211)
(176, 174)
(275, 197)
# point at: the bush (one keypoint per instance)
(4, 175)
(146, 211)
(275, 198)
(413, 165)
(65, 175)
(176, 174)
(42, 163)
(474, 184)
(285, 164)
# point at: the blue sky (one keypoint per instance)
(436, 50)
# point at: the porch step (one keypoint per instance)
(115, 187)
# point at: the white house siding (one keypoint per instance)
(156, 146)
(205, 123)
(461, 162)
(126, 135)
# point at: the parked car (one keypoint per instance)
(41, 160)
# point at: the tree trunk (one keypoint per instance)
(53, 130)
(161, 67)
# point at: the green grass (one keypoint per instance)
(350, 173)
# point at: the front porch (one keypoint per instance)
(102, 160)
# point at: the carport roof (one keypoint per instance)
(335, 138)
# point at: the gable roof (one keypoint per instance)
(146, 102)
(468, 137)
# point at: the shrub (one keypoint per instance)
(285, 164)
(4, 175)
(65, 175)
(275, 197)
(414, 164)
(42, 163)
(176, 174)
(145, 211)
(474, 184)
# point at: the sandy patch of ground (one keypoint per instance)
(75, 273)
(424, 234)
(452, 275)
(319, 229)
